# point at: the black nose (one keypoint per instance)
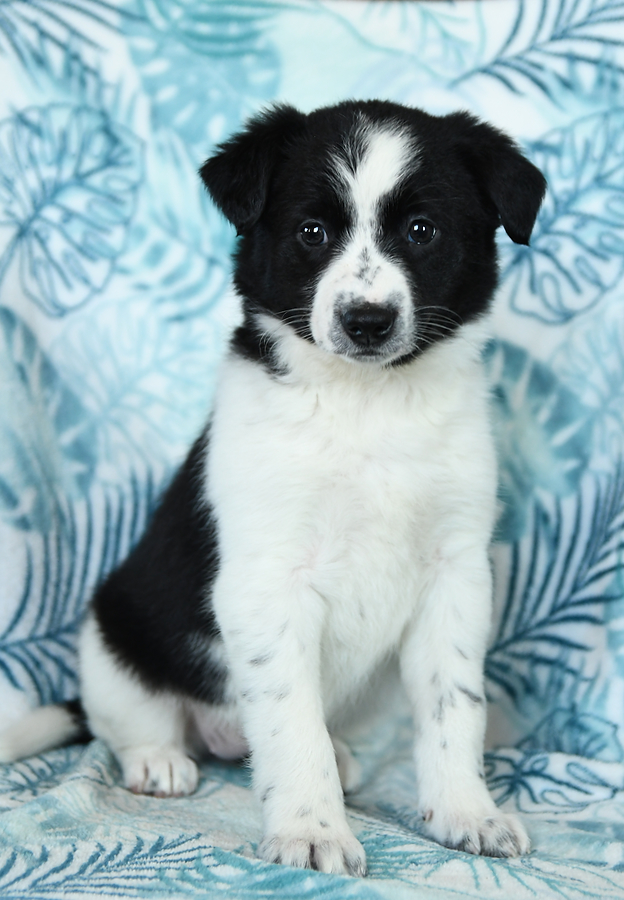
(368, 325)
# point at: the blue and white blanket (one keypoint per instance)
(113, 312)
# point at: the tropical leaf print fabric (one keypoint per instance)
(114, 308)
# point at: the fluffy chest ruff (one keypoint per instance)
(345, 483)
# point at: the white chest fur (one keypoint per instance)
(354, 482)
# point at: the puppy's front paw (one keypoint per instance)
(160, 771)
(326, 851)
(492, 834)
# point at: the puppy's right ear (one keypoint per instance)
(238, 175)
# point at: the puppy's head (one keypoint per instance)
(368, 227)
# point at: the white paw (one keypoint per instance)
(489, 834)
(161, 771)
(326, 851)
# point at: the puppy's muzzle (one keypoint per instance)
(368, 325)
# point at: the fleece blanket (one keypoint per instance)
(114, 309)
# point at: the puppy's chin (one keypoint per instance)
(367, 356)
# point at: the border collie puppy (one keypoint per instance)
(339, 505)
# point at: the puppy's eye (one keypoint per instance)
(313, 234)
(420, 231)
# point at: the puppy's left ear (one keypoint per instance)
(239, 174)
(511, 183)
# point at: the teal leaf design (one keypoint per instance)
(149, 404)
(553, 781)
(63, 46)
(47, 445)
(34, 30)
(205, 66)
(440, 41)
(576, 733)
(180, 257)
(411, 866)
(560, 578)
(68, 185)
(62, 566)
(175, 867)
(247, 879)
(25, 780)
(137, 870)
(577, 249)
(591, 364)
(543, 433)
(560, 48)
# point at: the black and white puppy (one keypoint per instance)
(340, 503)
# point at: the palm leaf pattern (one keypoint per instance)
(560, 580)
(33, 30)
(557, 46)
(62, 566)
(179, 867)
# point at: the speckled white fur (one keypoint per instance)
(355, 506)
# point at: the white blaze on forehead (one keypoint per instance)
(388, 153)
(371, 166)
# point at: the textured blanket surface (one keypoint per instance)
(114, 310)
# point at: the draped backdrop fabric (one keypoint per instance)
(114, 310)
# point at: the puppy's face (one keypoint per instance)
(368, 228)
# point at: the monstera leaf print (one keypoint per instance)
(68, 184)
(577, 249)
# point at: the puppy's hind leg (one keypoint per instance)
(145, 730)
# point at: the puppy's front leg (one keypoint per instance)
(442, 668)
(273, 646)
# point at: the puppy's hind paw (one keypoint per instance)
(343, 855)
(159, 771)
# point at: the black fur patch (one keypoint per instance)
(153, 611)
(76, 711)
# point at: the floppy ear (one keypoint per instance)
(238, 175)
(512, 184)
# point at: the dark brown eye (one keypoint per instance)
(313, 234)
(420, 231)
